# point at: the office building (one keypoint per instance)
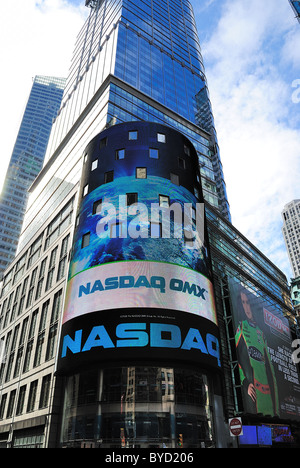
(137, 365)
(296, 7)
(27, 160)
(291, 233)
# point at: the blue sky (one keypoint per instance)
(252, 61)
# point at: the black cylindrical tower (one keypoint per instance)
(139, 299)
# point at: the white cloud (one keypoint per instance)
(37, 38)
(251, 59)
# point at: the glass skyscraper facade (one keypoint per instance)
(27, 160)
(136, 61)
(296, 7)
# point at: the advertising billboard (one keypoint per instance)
(269, 377)
(139, 285)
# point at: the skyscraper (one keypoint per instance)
(117, 340)
(291, 233)
(27, 160)
(296, 7)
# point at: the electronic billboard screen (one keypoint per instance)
(140, 281)
(269, 377)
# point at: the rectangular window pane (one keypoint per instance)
(164, 200)
(85, 240)
(108, 177)
(131, 198)
(161, 138)
(133, 135)
(153, 153)
(141, 173)
(174, 178)
(97, 206)
(120, 154)
(94, 164)
(103, 143)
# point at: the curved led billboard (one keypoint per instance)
(140, 281)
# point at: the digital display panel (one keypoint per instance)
(269, 377)
(264, 435)
(249, 436)
(140, 281)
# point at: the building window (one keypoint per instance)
(181, 163)
(174, 178)
(51, 269)
(41, 279)
(59, 224)
(164, 200)
(51, 342)
(21, 400)
(94, 165)
(131, 198)
(108, 177)
(153, 153)
(3, 405)
(103, 143)
(35, 251)
(161, 138)
(56, 306)
(141, 173)
(18, 362)
(187, 150)
(63, 258)
(45, 392)
(31, 287)
(97, 206)
(38, 350)
(120, 154)
(32, 396)
(11, 404)
(133, 135)
(85, 240)
(85, 190)
(28, 356)
(44, 314)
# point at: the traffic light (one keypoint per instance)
(180, 440)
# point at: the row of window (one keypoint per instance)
(41, 279)
(23, 348)
(8, 401)
(133, 135)
(140, 173)
(54, 229)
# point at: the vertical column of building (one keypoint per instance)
(27, 160)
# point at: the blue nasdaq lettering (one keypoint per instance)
(136, 335)
(122, 282)
(156, 282)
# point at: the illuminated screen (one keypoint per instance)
(140, 281)
(264, 435)
(142, 271)
(269, 377)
